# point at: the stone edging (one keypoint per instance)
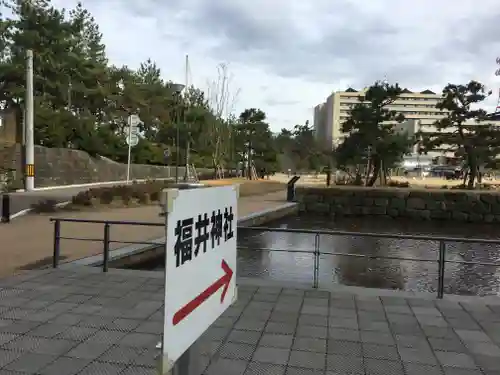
(422, 204)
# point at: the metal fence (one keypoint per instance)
(441, 258)
(105, 239)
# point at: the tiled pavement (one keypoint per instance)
(85, 322)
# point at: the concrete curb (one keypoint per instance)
(65, 203)
(28, 210)
(90, 184)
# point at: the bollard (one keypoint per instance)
(57, 243)
(105, 253)
(328, 177)
(5, 208)
(290, 188)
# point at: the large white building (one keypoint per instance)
(329, 116)
(419, 109)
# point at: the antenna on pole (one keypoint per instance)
(188, 139)
(497, 73)
(186, 72)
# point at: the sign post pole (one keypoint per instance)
(200, 270)
(129, 137)
(132, 139)
(187, 364)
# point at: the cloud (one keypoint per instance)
(287, 55)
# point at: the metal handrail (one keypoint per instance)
(441, 240)
(106, 236)
(376, 235)
(111, 222)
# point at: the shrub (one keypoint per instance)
(106, 196)
(46, 205)
(154, 196)
(144, 198)
(127, 196)
(83, 198)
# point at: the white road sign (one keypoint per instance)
(133, 120)
(200, 264)
(132, 130)
(133, 140)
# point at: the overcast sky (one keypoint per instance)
(286, 56)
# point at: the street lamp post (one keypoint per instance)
(177, 88)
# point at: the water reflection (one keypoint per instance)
(292, 259)
(378, 273)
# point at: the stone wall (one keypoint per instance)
(422, 204)
(55, 167)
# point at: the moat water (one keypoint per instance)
(373, 273)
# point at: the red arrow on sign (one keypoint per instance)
(206, 294)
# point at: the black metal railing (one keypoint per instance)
(441, 258)
(106, 239)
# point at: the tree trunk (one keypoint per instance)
(472, 169)
(215, 168)
(376, 172)
(368, 169)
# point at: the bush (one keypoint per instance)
(154, 196)
(144, 198)
(148, 192)
(106, 196)
(83, 198)
(142, 192)
(127, 196)
(45, 206)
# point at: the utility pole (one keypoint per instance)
(249, 159)
(186, 78)
(70, 88)
(186, 173)
(29, 124)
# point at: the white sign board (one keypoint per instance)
(132, 130)
(133, 121)
(200, 256)
(133, 140)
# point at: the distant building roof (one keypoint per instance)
(405, 91)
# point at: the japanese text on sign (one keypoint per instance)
(192, 234)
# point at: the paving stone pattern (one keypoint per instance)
(76, 322)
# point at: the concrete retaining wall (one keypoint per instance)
(60, 166)
(422, 204)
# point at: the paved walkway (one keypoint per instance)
(27, 241)
(84, 322)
